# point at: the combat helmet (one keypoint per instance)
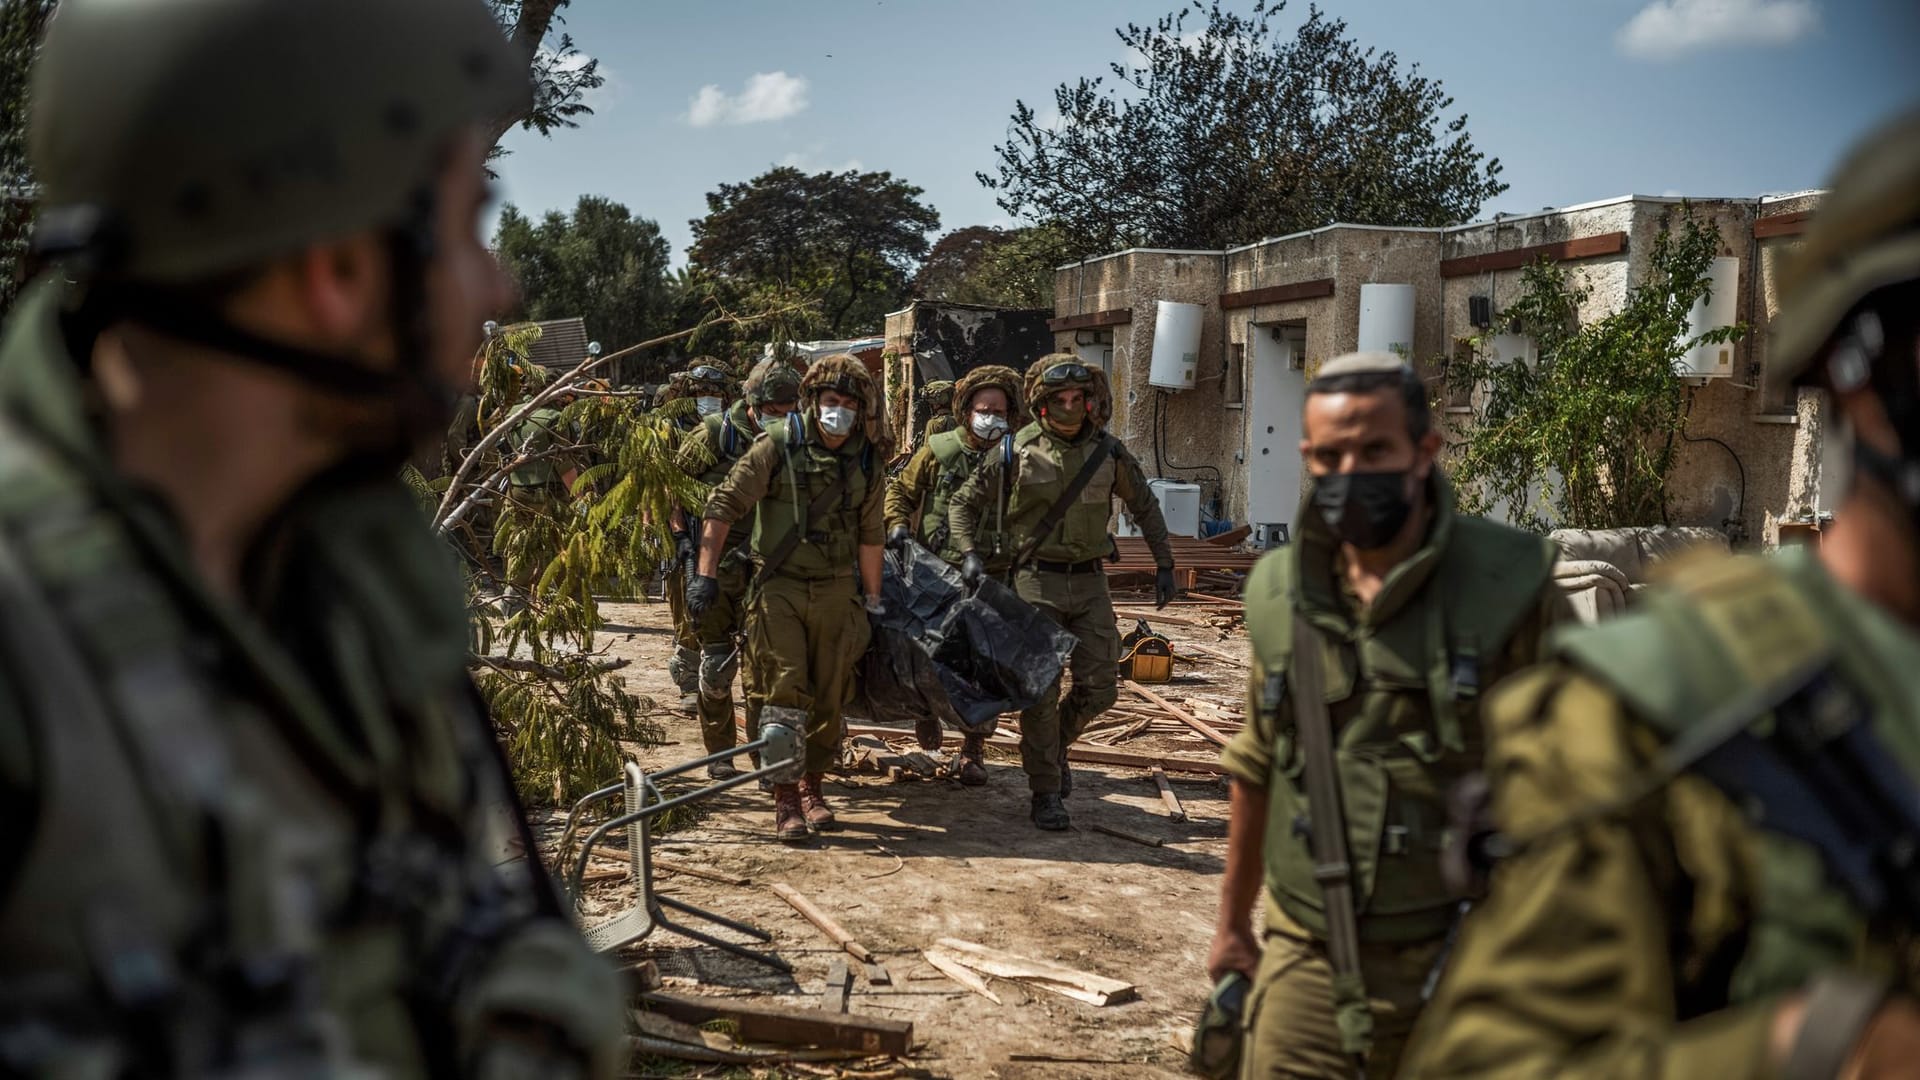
(1069, 370)
(706, 374)
(998, 376)
(844, 373)
(773, 382)
(937, 394)
(174, 142)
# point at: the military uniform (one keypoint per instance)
(703, 377)
(535, 488)
(1709, 804)
(1470, 607)
(1064, 573)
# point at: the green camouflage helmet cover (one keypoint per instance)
(1099, 391)
(998, 376)
(937, 393)
(178, 139)
(1864, 236)
(773, 381)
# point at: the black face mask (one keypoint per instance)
(1365, 509)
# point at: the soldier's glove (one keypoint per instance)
(897, 539)
(972, 570)
(682, 550)
(874, 606)
(702, 591)
(1163, 587)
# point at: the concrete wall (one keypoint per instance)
(1751, 459)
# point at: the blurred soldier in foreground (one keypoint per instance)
(813, 488)
(1066, 472)
(256, 818)
(1406, 610)
(1707, 809)
(772, 391)
(708, 384)
(986, 408)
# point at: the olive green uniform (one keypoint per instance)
(277, 821)
(920, 495)
(708, 454)
(1655, 940)
(1466, 610)
(684, 665)
(806, 624)
(1066, 573)
(535, 488)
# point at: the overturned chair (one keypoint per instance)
(780, 751)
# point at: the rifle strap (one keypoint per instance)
(1327, 829)
(821, 504)
(1104, 447)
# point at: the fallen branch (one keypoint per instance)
(548, 671)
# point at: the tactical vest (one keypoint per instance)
(730, 433)
(958, 461)
(1742, 623)
(1045, 468)
(803, 469)
(1411, 731)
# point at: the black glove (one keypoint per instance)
(1163, 587)
(897, 539)
(702, 591)
(972, 570)
(682, 550)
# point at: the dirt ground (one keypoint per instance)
(920, 859)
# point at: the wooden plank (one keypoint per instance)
(1070, 982)
(960, 973)
(1091, 320)
(1585, 247)
(839, 984)
(1277, 294)
(1218, 653)
(877, 973)
(1230, 537)
(1174, 809)
(674, 866)
(1178, 713)
(1152, 615)
(1086, 754)
(821, 919)
(1781, 225)
(786, 1025)
(1145, 841)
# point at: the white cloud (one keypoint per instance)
(767, 95)
(1666, 29)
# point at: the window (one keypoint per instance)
(1236, 385)
(1460, 396)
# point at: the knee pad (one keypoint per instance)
(684, 667)
(718, 665)
(785, 729)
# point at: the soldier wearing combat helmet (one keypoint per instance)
(708, 454)
(1706, 809)
(257, 823)
(1059, 491)
(709, 385)
(986, 410)
(936, 401)
(813, 488)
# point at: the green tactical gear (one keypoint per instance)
(303, 794)
(535, 435)
(827, 547)
(1747, 622)
(1409, 677)
(1046, 465)
(164, 173)
(956, 462)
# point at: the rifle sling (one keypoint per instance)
(1107, 446)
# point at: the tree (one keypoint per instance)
(999, 267)
(561, 75)
(846, 238)
(1584, 437)
(601, 263)
(954, 262)
(1231, 133)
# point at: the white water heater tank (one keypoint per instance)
(1721, 308)
(1386, 319)
(1179, 504)
(1176, 345)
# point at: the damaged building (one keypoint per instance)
(1210, 351)
(933, 341)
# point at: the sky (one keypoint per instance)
(1579, 99)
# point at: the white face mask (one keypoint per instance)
(707, 406)
(836, 420)
(989, 425)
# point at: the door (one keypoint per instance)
(1276, 371)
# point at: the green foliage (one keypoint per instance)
(1232, 132)
(600, 263)
(1000, 267)
(846, 239)
(1585, 437)
(562, 76)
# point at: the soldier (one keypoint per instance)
(986, 406)
(1708, 805)
(708, 454)
(1413, 609)
(257, 823)
(1066, 472)
(936, 401)
(813, 485)
(706, 382)
(541, 486)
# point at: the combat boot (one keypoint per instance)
(1050, 813)
(813, 802)
(970, 767)
(789, 821)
